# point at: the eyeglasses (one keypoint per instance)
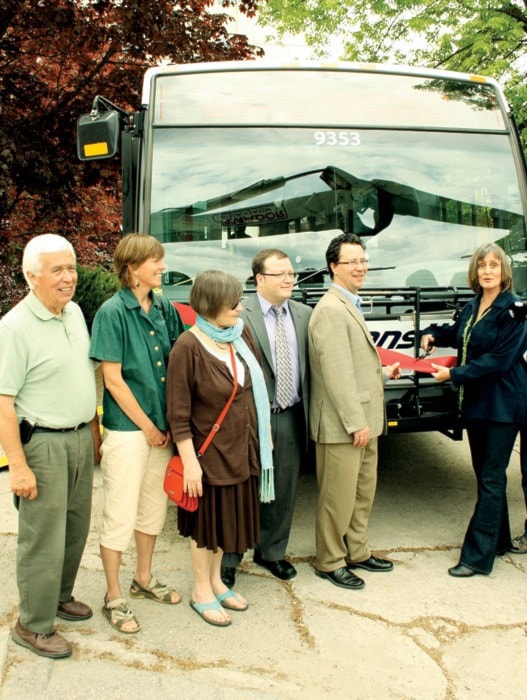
(280, 275)
(236, 304)
(355, 263)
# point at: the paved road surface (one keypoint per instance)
(412, 633)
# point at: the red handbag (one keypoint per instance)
(173, 483)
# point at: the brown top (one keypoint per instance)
(198, 387)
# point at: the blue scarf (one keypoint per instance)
(233, 335)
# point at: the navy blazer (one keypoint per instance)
(494, 376)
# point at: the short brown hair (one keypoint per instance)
(333, 250)
(259, 259)
(478, 255)
(213, 291)
(132, 250)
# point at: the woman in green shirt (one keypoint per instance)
(133, 333)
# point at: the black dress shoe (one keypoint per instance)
(519, 545)
(372, 564)
(342, 577)
(282, 569)
(461, 571)
(228, 576)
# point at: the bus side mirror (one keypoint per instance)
(98, 135)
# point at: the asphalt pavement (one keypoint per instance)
(413, 633)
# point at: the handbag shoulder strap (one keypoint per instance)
(222, 415)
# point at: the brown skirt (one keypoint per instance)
(227, 518)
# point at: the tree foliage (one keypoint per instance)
(487, 37)
(55, 56)
(94, 287)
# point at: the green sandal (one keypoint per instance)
(118, 613)
(154, 591)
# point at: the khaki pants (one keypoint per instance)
(347, 478)
(133, 473)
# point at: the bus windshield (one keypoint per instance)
(423, 170)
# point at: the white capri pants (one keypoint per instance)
(133, 473)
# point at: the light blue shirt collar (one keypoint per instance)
(355, 298)
(266, 306)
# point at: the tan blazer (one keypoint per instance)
(347, 383)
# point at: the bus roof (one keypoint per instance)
(263, 64)
(318, 94)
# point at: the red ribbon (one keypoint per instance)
(390, 357)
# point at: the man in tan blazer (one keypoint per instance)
(346, 417)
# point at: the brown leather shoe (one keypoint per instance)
(52, 645)
(74, 610)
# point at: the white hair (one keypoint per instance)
(39, 246)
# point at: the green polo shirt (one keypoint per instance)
(123, 332)
(45, 364)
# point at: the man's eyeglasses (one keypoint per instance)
(355, 263)
(280, 275)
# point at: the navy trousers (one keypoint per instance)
(523, 464)
(276, 517)
(489, 529)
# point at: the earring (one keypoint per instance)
(137, 283)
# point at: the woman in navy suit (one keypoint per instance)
(490, 375)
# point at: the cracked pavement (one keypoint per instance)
(413, 633)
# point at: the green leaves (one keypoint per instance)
(94, 287)
(481, 36)
(55, 56)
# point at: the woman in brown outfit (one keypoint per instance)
(200, 382)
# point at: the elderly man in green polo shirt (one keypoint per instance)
(49, 431)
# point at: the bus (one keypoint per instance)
(224, 159)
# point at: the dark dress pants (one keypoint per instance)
(288, 435)
(276, 517)
(489, 529)
(523, 465)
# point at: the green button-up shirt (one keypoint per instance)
(124, 333)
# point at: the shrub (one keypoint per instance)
(94, 286)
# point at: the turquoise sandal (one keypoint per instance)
(201, 609)
(222, 598)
